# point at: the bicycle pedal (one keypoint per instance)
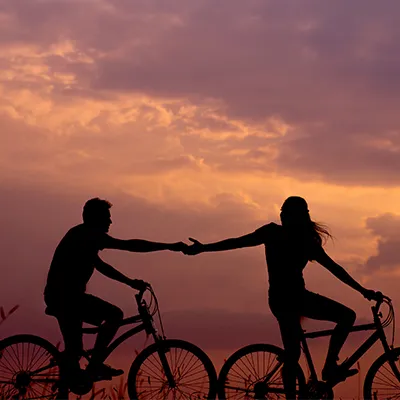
(96, 377)
(341, 376)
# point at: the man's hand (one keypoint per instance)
(371, 294)
(195, 248)
(178, 246)
(138, 284)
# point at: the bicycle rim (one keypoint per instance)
(29, 369)
(193, 373)
(254, 372)
(381, 381)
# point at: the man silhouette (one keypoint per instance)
(74, 261)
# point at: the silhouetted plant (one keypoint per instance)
(4, 315)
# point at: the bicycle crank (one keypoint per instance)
(319, 391)
(260, 390)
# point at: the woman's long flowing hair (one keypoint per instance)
(320, 232)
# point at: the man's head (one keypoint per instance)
(96, 214)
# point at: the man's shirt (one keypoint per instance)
(74, 261)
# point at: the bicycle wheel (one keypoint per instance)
(29, 369)
(192, 371)
(380, 381)
(254, 372)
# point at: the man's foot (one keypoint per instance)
(337, 372)
(76, 374)
(103, 371)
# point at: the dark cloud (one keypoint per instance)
(337, 87)
(354, 160)
(260, 57)
(386, 227)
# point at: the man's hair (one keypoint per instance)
(94, 208)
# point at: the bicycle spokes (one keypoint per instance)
(188, 377)
(385, 385)
(255, 373)
(27, 371)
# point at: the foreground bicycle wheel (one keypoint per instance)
(192, 371)
(254, 372)
(29, 369)
(381, 382)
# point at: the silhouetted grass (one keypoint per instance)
(112, 392)
(4, 315)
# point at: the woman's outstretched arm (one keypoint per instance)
(251, 239)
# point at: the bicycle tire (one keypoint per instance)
(17, 374)
(140, 378)
(256, 354)
(376, 377)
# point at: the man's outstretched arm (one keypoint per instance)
(142, 246)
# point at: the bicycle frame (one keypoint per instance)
(379, 334)
(146, 317)
(147, 325)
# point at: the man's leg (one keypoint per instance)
(71, 329)
(321, 308)
(99, 312)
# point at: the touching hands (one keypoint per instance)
(194, 249)
(178, 246)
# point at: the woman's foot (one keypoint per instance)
(103, 371)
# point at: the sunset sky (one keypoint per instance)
(198, 118)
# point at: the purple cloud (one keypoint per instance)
(386, 227)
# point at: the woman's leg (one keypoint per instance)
(290, 327)
(321, 308)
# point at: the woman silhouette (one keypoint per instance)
(288, 249)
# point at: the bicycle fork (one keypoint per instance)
(164, 362)
(388, 350)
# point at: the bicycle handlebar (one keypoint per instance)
(139, 295)
(152, 307)
(381, 299)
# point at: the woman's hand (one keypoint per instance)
(195, 248)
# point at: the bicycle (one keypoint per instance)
(31, 367)
(254, 371)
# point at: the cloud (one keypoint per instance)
(386, 228)
(336, 91)
(197, 119)
(354, 160)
